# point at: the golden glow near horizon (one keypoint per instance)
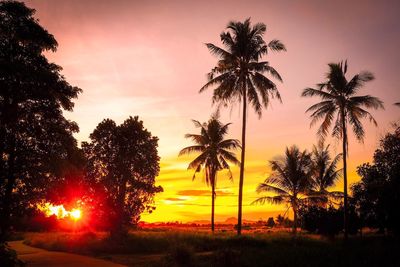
(148, 58)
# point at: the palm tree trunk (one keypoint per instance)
(294, 230)
(213, 205)
(345, 212)
(239, 225)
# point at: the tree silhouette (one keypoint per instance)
(214, 153)
(290, 180)
(340, 100)
(239, 77)
(122, 161)
(377, 195)
(325, 174)
(35, 139)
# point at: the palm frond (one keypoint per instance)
(276, 45)
(265, 187)
(191, 149)
(276, 200)
(310, 92)
(366, 101)
(217, 51)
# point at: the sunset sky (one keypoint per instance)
(148, 58)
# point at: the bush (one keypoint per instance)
(322, 221)
(179, 255)
(8, 256)
(328, 221)
(227, 257)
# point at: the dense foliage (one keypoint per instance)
(36, 142)
(377, 195)
(327, 221)
(122, 163)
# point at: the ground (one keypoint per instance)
(190, 248)
(40, 257)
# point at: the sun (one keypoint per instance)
(75, 214)
(60, 212)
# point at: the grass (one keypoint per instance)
(174, 248)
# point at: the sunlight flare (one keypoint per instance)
(60, 212)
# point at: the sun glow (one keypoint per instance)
(60, 212)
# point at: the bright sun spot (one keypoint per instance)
(76, 214)
(60, 212)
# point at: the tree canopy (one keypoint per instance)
(122, 163)
(36, 140)
(377, 195)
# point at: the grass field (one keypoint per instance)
(188, 248)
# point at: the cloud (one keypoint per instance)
(194, 192)
(175, 199)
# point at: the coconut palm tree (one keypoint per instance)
(290, 180)
(325, 174)
(342, 106)
(214, 153)
(240, 77)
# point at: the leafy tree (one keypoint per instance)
(239, 77)
(290, 180)
(340, 101)
(283, 221)
(270, 222)
(122, 164)
(325, 174)
(377, 195)
(214, 153)
(36, 140)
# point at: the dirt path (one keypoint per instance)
(40, 257)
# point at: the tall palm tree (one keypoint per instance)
(325, 174)
(239, 77)
(214, 153)
(290, 180)
(341, 104)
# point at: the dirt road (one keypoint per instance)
(40, 257)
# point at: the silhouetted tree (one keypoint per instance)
(214, 153)
(377, 195)
(122, 162)
(35, 139)
(325, 175)
(270, 222)
(340, 101)
(290, 180)
(239, 77)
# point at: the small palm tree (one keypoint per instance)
(340, 101)
(240, 77)
(325, 174)
(290, 180)
(214, 153)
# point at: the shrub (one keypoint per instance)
(227, 257)
(179, 255)
(8, 257)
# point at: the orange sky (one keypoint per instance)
(148, 58)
